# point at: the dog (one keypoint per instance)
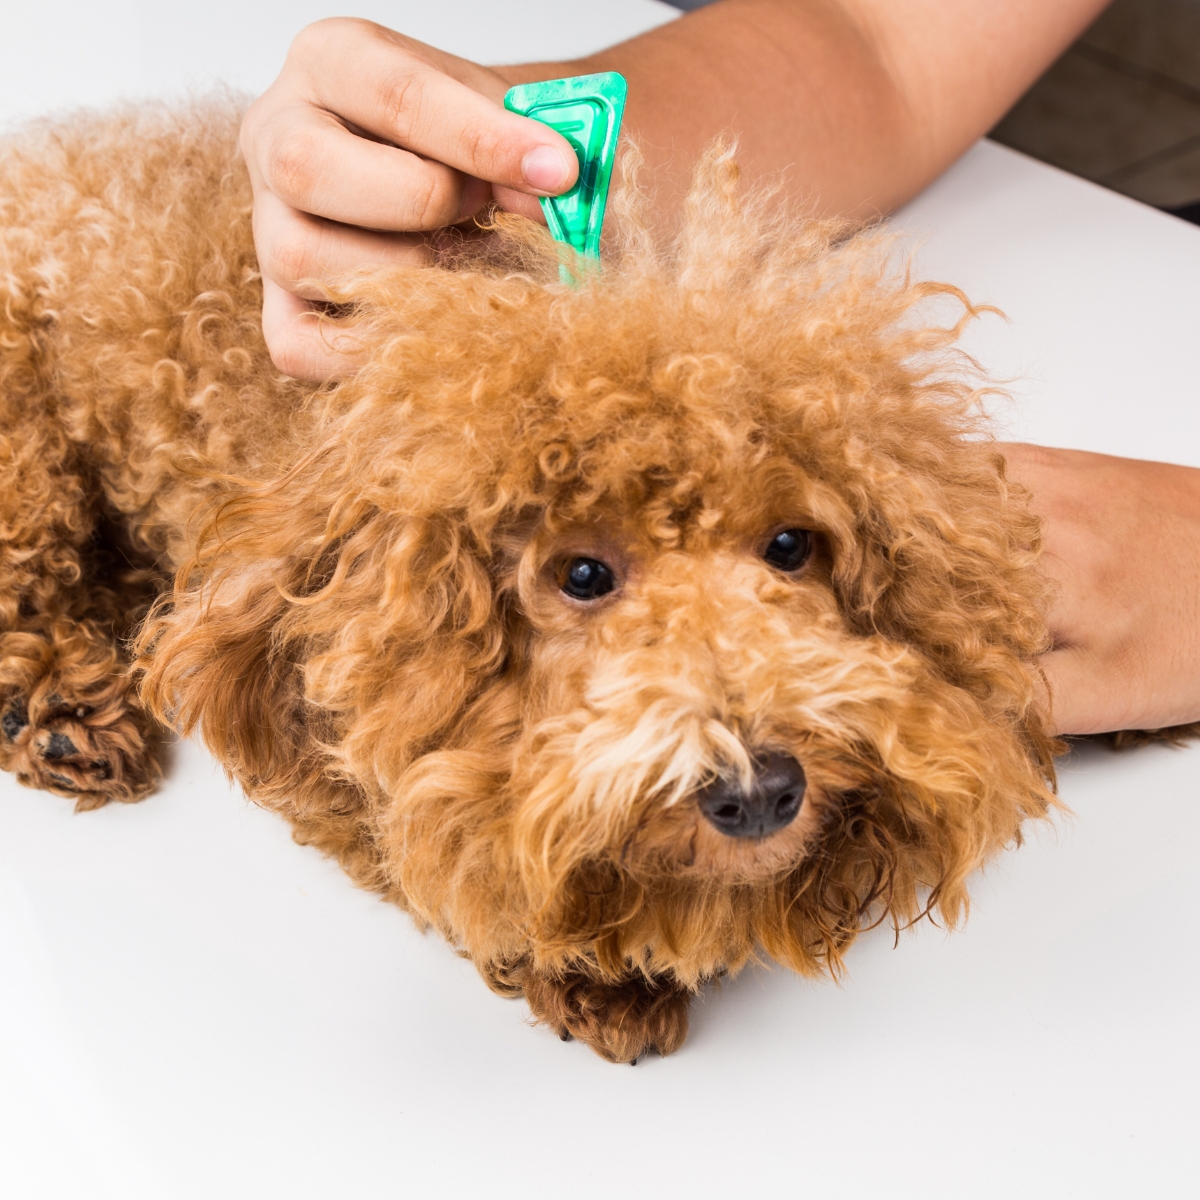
(623, 632)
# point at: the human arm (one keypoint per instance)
(368, 139)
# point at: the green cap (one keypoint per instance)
(586, 110)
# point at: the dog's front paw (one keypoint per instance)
(620, 1021)
(92, 755)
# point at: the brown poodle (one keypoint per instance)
(623, 632)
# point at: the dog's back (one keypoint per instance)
(130, 309)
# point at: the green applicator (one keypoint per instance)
(586, 110)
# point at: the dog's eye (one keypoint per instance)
(588, 579)
(789, 549)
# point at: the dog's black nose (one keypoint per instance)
(771, 803)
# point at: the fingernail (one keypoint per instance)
(546, 169)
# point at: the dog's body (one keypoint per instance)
(620, 631)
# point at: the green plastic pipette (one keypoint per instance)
(586, 110)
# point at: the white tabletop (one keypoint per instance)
(193, 1006)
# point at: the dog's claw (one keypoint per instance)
(52, 744)
(58, 745)
(622, 1020)
(13, 721)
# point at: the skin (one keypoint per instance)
(369, 139)
(1122, 540)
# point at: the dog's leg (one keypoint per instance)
(69, 718)
(621, 1021)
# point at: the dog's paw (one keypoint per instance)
(620, 1021)
(92, 755)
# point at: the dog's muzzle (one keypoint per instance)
(772, 802)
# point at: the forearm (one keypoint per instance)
(857, 103)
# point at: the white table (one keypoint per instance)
(191, 1006)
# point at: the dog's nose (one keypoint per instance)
(772, 802)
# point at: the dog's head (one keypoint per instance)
(642, 623)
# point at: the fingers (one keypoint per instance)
(413, 96)
(301, 343)
(313, 163)
(366, 140)
(296, 250)
(520, 203)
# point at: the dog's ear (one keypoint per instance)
(321, 642)
(944, 558)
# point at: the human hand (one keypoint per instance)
(369, 139)
(1122, 542)
(365, 142)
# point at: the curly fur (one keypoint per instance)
(359, 606)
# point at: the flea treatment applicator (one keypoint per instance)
(586, 110)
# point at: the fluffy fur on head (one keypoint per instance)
(363, 610)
